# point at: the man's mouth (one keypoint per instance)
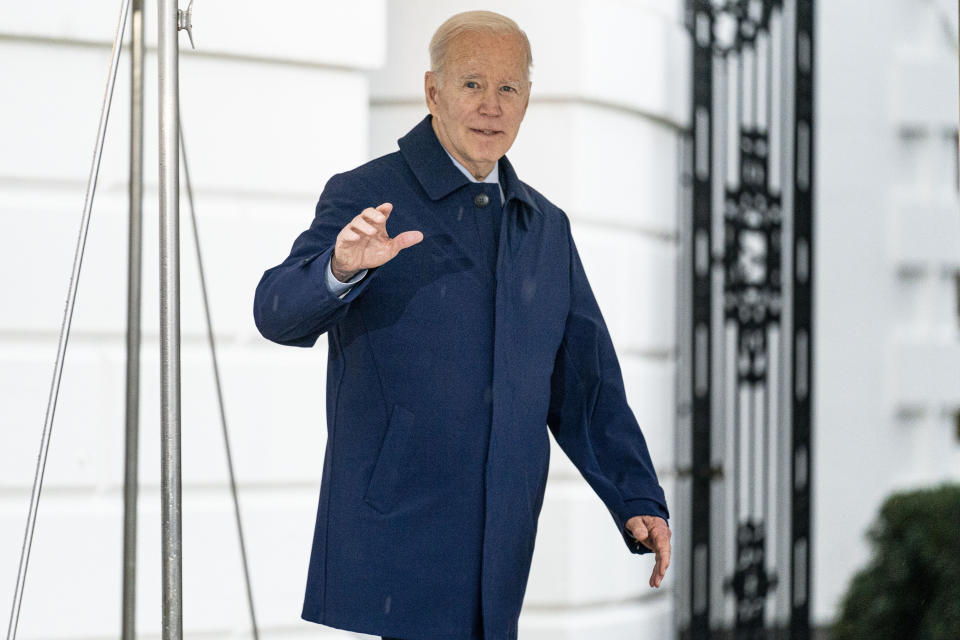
(485, 132)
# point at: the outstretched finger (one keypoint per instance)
(662, 550)
(385, 208)
(657, 574)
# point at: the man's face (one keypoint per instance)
(479, 102)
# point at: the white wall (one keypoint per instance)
(274, 102)
(604, 150)
(887, 325)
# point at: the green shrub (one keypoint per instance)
(911, 588)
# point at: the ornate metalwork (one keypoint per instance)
(748, 237)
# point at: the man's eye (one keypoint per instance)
(507, 88)
(471, 84)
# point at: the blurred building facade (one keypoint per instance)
(279, 98)
(887, 317)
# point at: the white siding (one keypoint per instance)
(273, 103)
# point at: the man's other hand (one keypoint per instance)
(653, 533)
(364, 243)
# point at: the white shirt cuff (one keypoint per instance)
(341, 288)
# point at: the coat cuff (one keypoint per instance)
(638, 507)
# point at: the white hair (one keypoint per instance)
(474, 21)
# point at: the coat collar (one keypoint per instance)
(439, 177)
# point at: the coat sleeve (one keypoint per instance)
(589, 415)
(293, 305)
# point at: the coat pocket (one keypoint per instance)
(392, 461)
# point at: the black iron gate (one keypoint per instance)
(744, 446)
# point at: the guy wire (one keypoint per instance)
(66, 323)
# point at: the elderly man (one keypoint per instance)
(460, 326)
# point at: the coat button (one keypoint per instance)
(481, 200)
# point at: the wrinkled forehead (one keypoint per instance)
(493, 56)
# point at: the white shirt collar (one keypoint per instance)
(492, 178)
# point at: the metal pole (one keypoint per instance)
(702, 341)
(134, 261)
(802, 303)
(170, 493)
(66, 324)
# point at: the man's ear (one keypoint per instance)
(430, 89)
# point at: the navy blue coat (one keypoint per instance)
(446, 366)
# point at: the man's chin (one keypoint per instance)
(491, 152)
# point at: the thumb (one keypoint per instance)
(639, 532)
(385, 208)
(406, 239)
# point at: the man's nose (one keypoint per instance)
(490, 102)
